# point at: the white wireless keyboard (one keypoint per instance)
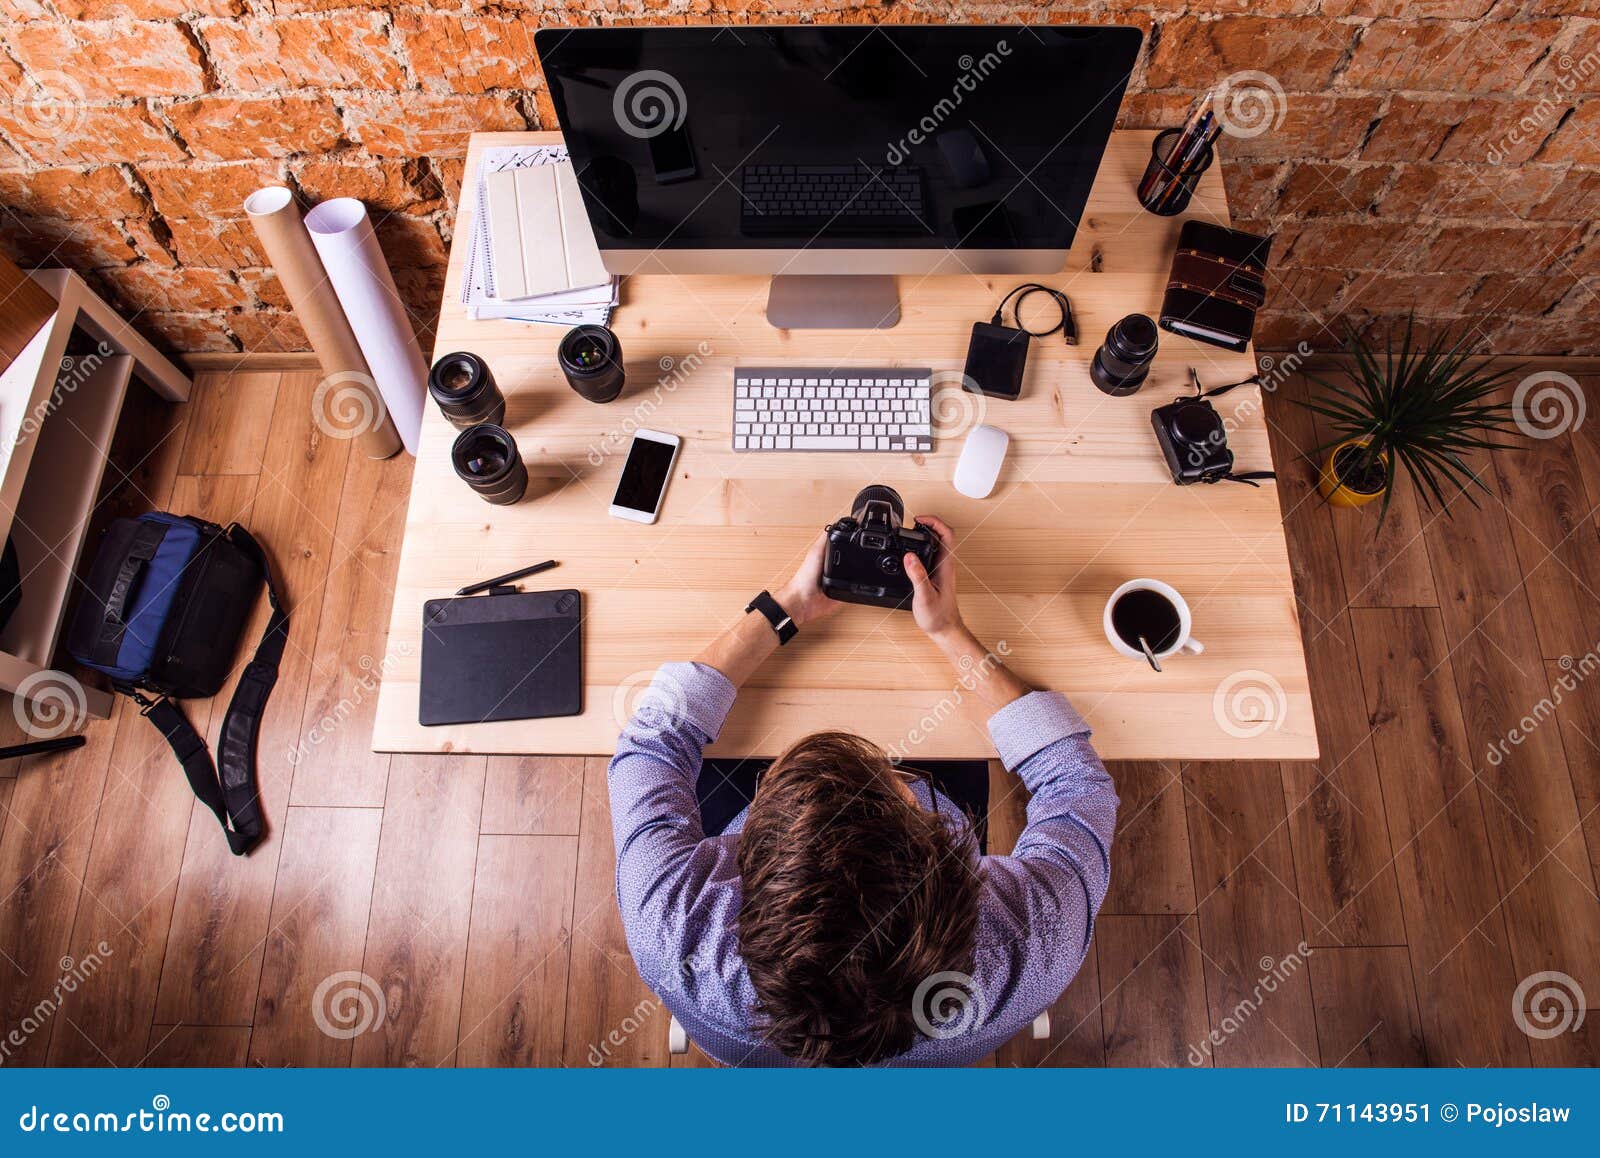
(801, 409)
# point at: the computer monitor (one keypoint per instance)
(824, 155)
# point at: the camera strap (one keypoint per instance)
(1249, 477)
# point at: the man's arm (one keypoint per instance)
(1056, 877)
(655, 817)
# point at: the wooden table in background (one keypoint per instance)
(1084, 502)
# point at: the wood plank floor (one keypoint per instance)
(1378, 907)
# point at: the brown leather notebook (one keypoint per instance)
(1216, 285)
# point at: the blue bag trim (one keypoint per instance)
(152, 600)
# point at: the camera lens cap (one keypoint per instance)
(1196, 423)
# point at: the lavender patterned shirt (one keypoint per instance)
(679, 890)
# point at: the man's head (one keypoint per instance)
(852, 896)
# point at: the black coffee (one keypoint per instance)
(1147, 614)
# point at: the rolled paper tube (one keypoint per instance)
(347, 401)
(343, 235)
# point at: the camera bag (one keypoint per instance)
(167, 600)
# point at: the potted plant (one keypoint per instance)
(1418, 409)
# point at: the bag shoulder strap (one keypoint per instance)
(228, 788)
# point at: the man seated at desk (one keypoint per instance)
(845, 917)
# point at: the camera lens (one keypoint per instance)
(1196, 423)
(485, 458)
(465, 391)
(1122, 362)
(591, 358)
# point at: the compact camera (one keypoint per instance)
(866, 549)
(1193, 440)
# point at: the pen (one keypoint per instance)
(522, 573)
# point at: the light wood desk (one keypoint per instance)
(1084, 503)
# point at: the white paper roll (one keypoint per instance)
(342, 233)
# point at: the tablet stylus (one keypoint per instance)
(523, 573)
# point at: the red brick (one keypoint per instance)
(150, 238)
(226, 244)
(454, 52)
(1526, 296)
(449, 171)
(1154, 110)
(1575, 197)
(264, 287)
(1549, 336)
(1250, 186)
(191, 290)
(74, 135)
(1397, 293)
(145, 9)
(1412, 9)
(1578, 138)
(207, 190)
(1575, 68)
(1285, 331)
(1358, 245)
(544, 109)
(1502, 132)
(70, 193)
(385, 185)
(411, 123)
(1321, 188)
(1499, 248)
(1413, 128)
(1492, 57)
(112, 61)
(228, 129)
(268, 331)
(344, 51)
(1475, 191)
(43, 241)
(186, 333)
(410, 242)
(20, 10)
(1300, 54)
(1313, 126)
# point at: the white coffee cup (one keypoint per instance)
(1183, 642)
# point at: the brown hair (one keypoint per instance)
(852, 896)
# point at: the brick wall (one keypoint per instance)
(1437, 153)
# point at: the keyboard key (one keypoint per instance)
(835, 442)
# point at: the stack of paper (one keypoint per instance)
(532, 255)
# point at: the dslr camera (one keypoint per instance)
(863, 563)
(1193, 440)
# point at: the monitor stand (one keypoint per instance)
(833, 301)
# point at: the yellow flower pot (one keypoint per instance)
(1335, 490)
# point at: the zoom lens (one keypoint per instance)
(485, 458)
(591, 358)
(1122, 362)
(465, 391)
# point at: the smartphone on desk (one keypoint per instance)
(643, 484)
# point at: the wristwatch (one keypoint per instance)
(776, 615)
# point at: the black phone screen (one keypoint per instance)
(644, 475)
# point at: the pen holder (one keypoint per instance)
(1164, 189)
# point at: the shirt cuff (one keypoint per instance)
(694, 694)
(1030, 723)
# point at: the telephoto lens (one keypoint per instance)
(486, 459)
(1122, 362)
(465, 391)
(591, 358)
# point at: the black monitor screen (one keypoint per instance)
(844, 137)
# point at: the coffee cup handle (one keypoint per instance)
(1193, 646)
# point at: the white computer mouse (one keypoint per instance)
(981, 458)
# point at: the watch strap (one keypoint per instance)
(775, 615)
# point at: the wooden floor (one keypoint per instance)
(461, 910)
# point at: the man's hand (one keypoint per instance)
(933, 605)
(802, 596)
